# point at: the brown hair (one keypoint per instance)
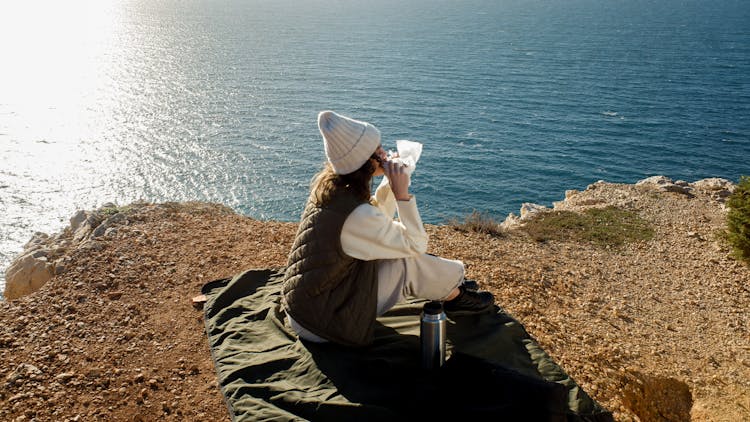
(327, 184)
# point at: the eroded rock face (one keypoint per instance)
(713, 184)
(601, 194)
(86, 224)
(655, 180)
(27, 274)
(528, 211)
(717, 188)
(666, 184)
(512, 221)
(44, 255)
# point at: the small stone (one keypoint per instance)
(59, 268)
(42, 254)
(94, 373)
(76, 220)
(18, 396)
(26, 274)
(91, 245)
(114, 295)
(65, 376)
(529, 209)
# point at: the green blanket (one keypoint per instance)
(494, 370)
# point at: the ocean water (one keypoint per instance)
(514, 100)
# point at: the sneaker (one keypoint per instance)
(471, 285)
(470, 301)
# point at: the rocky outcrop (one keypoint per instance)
(45, 256)
(528, 211)
(28, 273)
(666, 184)
(595, 195)
(646, 329)
(717, 188)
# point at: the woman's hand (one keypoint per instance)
(398, 179)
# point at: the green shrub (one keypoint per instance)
(110, 211)
(610, 226)
(738, 219)
(477, 222)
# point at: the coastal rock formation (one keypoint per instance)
(666, 184)
(528, 211)
(719, 189)
(27, 273)
(714, 188)
(653, 329)
(45, 256)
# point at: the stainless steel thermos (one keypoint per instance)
(432, 334)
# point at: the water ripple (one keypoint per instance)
(514, 101)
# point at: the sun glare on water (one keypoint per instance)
(53, 69)
(53, 56)
(101, 102)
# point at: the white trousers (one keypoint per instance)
(423, 277)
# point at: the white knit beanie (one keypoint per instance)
(348, 143)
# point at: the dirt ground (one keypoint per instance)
(655, 331)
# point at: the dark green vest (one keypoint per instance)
(326, 291)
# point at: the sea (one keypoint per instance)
(216, 100)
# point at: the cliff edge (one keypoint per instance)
(654, 329)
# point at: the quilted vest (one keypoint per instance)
(326, 291)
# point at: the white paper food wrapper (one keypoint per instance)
(408, 153)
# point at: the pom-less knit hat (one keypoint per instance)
(348, 143)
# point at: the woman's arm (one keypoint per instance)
(384, 198)
(370, 234)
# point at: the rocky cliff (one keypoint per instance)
(654, 329)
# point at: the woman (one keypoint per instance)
(351, 261)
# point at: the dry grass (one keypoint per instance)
(477, 222)
(610, 226)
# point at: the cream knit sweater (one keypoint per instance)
(370, 232)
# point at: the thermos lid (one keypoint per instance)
(433, 308)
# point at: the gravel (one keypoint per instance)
(655, 330)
